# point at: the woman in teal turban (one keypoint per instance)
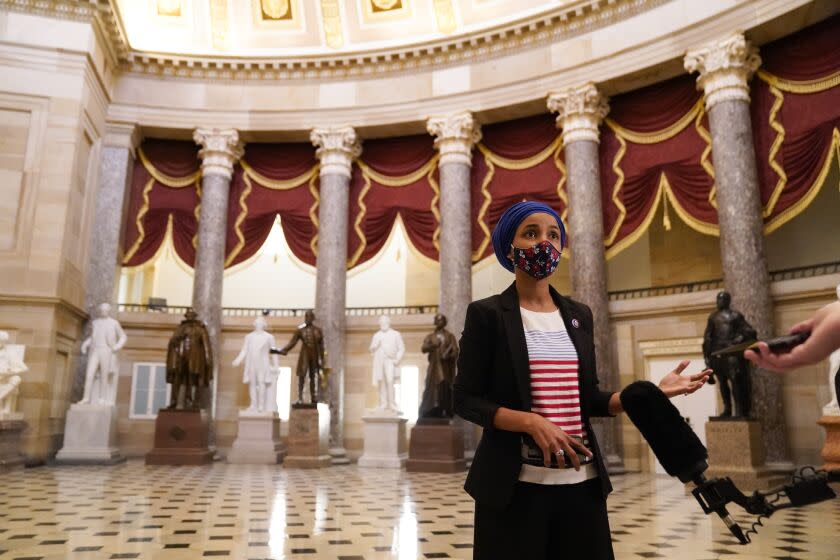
(526, 374)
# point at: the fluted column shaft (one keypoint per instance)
(580, 112)
(725, 68)
(337, 148)
(220, 150)
(115, 172)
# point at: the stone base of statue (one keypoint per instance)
(181, 438)
(338, 456)
(831, 449)
(384, 441)
(437, 445)
(257, 440)
(736, 451)
(10, 437)
(90, 436)
(309, 436)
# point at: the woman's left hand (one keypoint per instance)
(675, 384)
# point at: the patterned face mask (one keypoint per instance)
(540, 261)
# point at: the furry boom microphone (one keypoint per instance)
(673, 441)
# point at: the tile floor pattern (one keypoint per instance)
(340, 513)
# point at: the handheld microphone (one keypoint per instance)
(674, 443)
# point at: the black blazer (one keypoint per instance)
(493, 372)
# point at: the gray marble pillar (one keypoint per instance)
(337, 148)
(220, 149)
(455, 135)
(725, 68)
(580, 112)
(104, 250)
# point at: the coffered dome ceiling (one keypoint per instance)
(300, 28)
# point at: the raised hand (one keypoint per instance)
(675, 384)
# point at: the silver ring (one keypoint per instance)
(560, 452)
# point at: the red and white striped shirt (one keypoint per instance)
(555, 390)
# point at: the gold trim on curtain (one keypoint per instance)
(492, 160)
(141, 231)
(237, 226)
(800, 87)
(800, 205)
(623, 135)
(369, 174)
(167, 180)
(313, 211)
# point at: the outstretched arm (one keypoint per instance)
(824, 327)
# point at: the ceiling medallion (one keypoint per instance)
(169, 8)
(274, 10)
(385, 5)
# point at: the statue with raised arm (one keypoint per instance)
(11, 364)
(387, 348)
(442, 348)
(189, 362)
(727, 327)
(259, 366)
(311, 359)
(101, 375)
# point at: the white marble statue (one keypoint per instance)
(261, 368)
(11, 364)
(388, 349)
(833, 408)
(106, 339)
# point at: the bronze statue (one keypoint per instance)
(311, 359)
(727, 327)
(189, 362)
(442, 348)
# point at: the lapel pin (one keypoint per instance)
(575, 323)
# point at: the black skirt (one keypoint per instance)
(545, 522)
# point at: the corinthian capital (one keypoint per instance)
(455, 135)
(220, 150)
(725, 67)
(580, 111)
(337, 148)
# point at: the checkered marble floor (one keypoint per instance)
(238, 511)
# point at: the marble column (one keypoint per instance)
(725, 68)
(220, 150)
(580, 111)
(455, 136)
(115, 171)
(336, 149)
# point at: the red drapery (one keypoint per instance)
(271, 180)
(796, 119)
(655, 147)
(516, 160)
(165, 186)
(394, 177)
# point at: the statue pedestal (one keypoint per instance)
(736, 451)
(257, 440)
(831, 449)
(180, 438)
(437, 445)
(309, 436)
(90, 436)
(385, 442)
(10, 436)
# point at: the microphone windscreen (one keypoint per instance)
(672, 440)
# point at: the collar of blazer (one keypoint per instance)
(519, 349)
